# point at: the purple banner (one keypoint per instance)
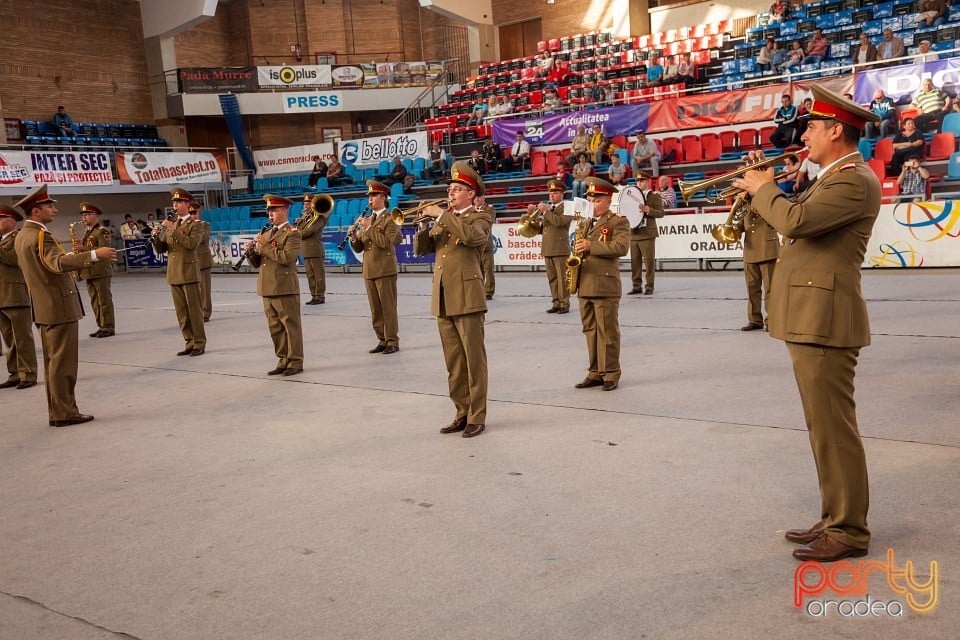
(560, 128)
(903, 82)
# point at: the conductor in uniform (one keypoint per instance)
(15, 327)
(818, 309)
(760, 249)
(56, 302)
(458, 237)
(555, 245)
(377, 236)
(99, 274)
(601, 241)
(311, 224)
(204, 260)
(180, 238)
(275, 253)
(643, 238)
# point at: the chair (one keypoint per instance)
(865, 147)
(692, 149)
(712, 148)
(878, 167)
(884, 150)
(942, 145)
(668, 145)
(951, 123)
(538, 163)
(953, 167)
(765, 133)
(889, 189)
(419, 166)
(748, 139)
(728, 140)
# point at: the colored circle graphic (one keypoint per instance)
(929, 221)
(897, 254)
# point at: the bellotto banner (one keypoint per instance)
(217, 79)
(368, 151)
(300, 77)
(55, 167)
(170, 168)
(292, 159)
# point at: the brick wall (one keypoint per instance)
(565, 17)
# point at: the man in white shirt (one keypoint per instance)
(924, 54)
(519, 154)
(645, 153)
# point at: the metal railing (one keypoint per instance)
(433, 95)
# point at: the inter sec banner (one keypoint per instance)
(170, 168)
(295, 77)
(372, 150)
(292, 159)
(55, 167)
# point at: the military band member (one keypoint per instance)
(605, 239)
(486, 258)
(99, 274)
(817, 308)
(204, 260)
(275, 253)
(311, 224)
(377, 236)
(56, 302)
(180, 238)
(760, 249)
(458, 238)
(643, 239)
(555, 245)
(15, 326)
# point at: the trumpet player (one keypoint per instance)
(601, 241)
(15, 326)
(457, 238)
(376, 236)
(204, 259)
(275, 253)
(555, 245)
(99, 274)
(311, 224)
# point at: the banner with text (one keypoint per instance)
(170, 168)
(218, 80)
(55, 167)
(312, 102)
(292, 159)
(372, 150)
(561, 127)
(903, 81)
(300, 77)
(916, 234)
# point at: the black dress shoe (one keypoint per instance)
(103, 333)
(751, 327)
(378, 348)
(587, 383)
(634, 292)
(473, 430)
(198, 352)
(610, 385)
(185, 352)
(277, 371)
(310, 301)
(457, 425)
(95, 334)
(319, 301)
(553, 309)
(26, 384)
(804, 536)
(563, 310)
(648, 292)
(292, 371)
(9, 383)
(390, 349)
(206, 319)
(80, 419)
(826, 549)
(489, 296)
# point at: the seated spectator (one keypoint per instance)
(438, 162)
(335, 175)
(504, 106)
(924, 54)
(579, 144)
(765, 57)
(129, 229)
(493, 109)
(476, 161)
(551, 101)
(645, 154)
(596, 94)
(596, 139)
(891, 47)
(778, 56)
(907, 144)
(519, 154)
(397, 174)
(143, 228)
(408, 181)
(581, 171)
(913, 179)
(319, 171)
(605, 151)
(667, 193)
(671, 69)
(817, 48)
(152, 222)
(786, 121)
(807, 174)
(864, 51)
(563, 173)
(685, 72)
(779, 10)
(478, 115)
(931, 13)
(933, 104)
(802, 122)
(788, 176)
(545, 65)
(492, 155)
(62, 124)
(793, 58)
(654, 72)
(883, 106)
(617, 172)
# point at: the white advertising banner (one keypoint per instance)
(292, 159)
(55, 167)
(372, 150)
(916, 234)
(296, 77)
(312, 102)
(170, 168)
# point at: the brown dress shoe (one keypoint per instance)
(457, 425)
(292, 371)
(26, 384)
(553, 309)
(563, 310)
(751, 327)
(804, 536)
(378, 348)
(80, 419)
(277, 371)
(198, 352)
(387, 350)
(9, 383)
(826, 549)
(634, 292)
(587, 383)
(610, 385)
(473, 430)
(185, 352)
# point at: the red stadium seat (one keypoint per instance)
(765, 133)
(728, 141)
(711, 146)
(878, 167)
(889, 189)
(692, 149)
(884, 150)
(538, 163)
(748, 138)
(671, 144)
(941, 146)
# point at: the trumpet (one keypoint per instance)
(249, 250)
(352, 229)
(530, 224)
(400, 215)
(321, 203)
(689, 188)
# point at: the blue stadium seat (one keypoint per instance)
(953, 167)
(419, 166)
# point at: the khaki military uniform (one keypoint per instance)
(56, 305)
(643, 254)
(98, 277)
(183, 276)
(378, 244)
(486, 259)
(760, 249)
(458, 302)
(279, 285)
(15, 315)
(818, 309)
(555, 248)
(205, 264)
(600, 291)
(311, 248)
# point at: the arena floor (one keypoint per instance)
(209, 501)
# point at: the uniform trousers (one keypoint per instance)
(758, 276)
(101, 299)
(489, 279)
(556, 276)
(643, 263)
(382, 296)
(601, 327)
(206, 298)
(186, 300)
(825, 378)
(60, 343)
(316, 277)
(283, 320)
(17, 332)
(466, 359)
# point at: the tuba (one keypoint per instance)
(530, 224)
(574, 260)
(321, 203)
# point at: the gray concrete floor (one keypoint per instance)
(210, 501)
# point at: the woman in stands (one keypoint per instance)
(335, 174)
(794, 57)
(581, 171)
(545, 64)
(765, 57)
(579, 144)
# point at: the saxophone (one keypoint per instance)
(77, 247)
(574, 260)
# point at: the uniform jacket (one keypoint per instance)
(609, 237)
(491, 245)
(277, 261)
(311, 234)
(204, 257)
(378, 244)
(46, 268)
(96, 237)
(556, 232)
(13, 286)
(181, 246)
(458, 241)
(760, 241)
(815, 296)
(650, 230)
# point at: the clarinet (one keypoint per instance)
(246, 254)
(351, 230)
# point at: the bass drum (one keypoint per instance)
(627, 202)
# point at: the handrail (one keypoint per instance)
(401, 121)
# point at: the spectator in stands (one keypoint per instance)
(794, 56)
(596, 94)
(143, 228)
(924, 54)
(931, 13)
(493, 109)
(581, 171)
(596, 140)
(654, 72)
(883, 106)
(551, 101)
(492, 155)
(788, 179)
(579, 144)
(913, 179)
(617, 171)
(645, 153)
(519, 154)
(129, 229)
(907, 144)
(152, 222)
(504, 106)
(891, 47)
(563, 173)
(396, 175)
(765, 57)
(779, 10)
(685, 72)
(478, 115)
(778, 56)
(545, 64)
(475, 161)
(933, 104)
(319, 171)
(335, 175)
(817, 48)
(667, 194)
(62, 124)
(438, 162)
(605, 151)
(806, 175)
(671, 69)
(786, 121)
(864, 51)
(803, 110)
